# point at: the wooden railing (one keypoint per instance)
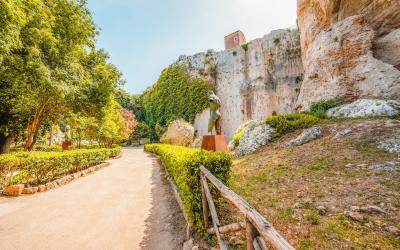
(258, 231)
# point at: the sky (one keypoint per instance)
(145, 36)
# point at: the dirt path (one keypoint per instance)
(124, 206)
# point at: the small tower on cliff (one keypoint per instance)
(234, 40)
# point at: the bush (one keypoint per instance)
(52, 148)
(319, 108)
(237, 137)
(41, 167)
(182, 165)
(288, 123)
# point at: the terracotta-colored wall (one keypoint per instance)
(234, 40)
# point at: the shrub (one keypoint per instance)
(245, 47)
(52, 148)
(277, 41)
(41, 167)
(288, 123)
(182, 164)
(319, 108)
(237, 137)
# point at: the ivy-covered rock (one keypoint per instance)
(176, 95)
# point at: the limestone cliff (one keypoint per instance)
(350, 49)
(252, 81)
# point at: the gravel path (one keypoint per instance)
(127, 205)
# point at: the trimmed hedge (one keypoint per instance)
(41, 167)
(291, 122)
(183, 165)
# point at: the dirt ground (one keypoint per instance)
(305, 191)
(124, 206)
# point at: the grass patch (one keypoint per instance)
(291, 122)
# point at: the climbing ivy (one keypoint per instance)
(175, 95)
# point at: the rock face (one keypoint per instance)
(349, 49)
(306, 136)
(253, 139)
(180, 133)
(252, 81)
(365, 107)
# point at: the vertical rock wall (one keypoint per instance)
(252, 81)
(349, 49)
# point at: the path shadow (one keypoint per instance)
(165, 226)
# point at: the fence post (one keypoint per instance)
(204, 203)
(251, 234)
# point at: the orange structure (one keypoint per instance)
(234, 40)
(215, 143)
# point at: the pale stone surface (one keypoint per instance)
(247, 124)
(180, 133)
(365, 107)
(340, 65)
(388, 166)
(254, 138)
(197, 142)
(392, 146)
(343, 133)
(252, 84)
(317, 15)
(306, 136)
(387, 48)
(14, 190)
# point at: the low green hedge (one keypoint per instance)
(52, 148)
(183, 165)
(291, 122)
(40, 167)
(320, 108)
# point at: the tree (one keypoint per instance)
(49, 66)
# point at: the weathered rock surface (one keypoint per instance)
(317, 15)
(387, 48)
(180, 133)
(340, 65)
(365, 107)
(14, 190)
(388, 166)
(343, 133)
(306, 136)
(253, 139)
(197, 142)
(391, 146)
(254, 82)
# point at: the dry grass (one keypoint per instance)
(315, 174)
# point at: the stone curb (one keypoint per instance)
(20, 189)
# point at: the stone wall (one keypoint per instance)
(252, 82)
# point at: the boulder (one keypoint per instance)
(197, 142)
(14, 190)
(388, 166)
(307, 136)
(365, 108)
(180, 133)
(391, 147)
(254, 138)
(30, 190)
(343, 133)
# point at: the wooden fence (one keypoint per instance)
(259, 232)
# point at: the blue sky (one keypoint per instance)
(145, 36)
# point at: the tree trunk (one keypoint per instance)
(51, 136)
(34, 125)
(5, 143)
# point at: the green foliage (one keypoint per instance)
(245, 47)
(41, 167)
(237, 137)
(175, 95)
(182, 165)
(288, 123)
(141, 131)
(277, 41)
(319, 108)
(49, 66)
(52, 148)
